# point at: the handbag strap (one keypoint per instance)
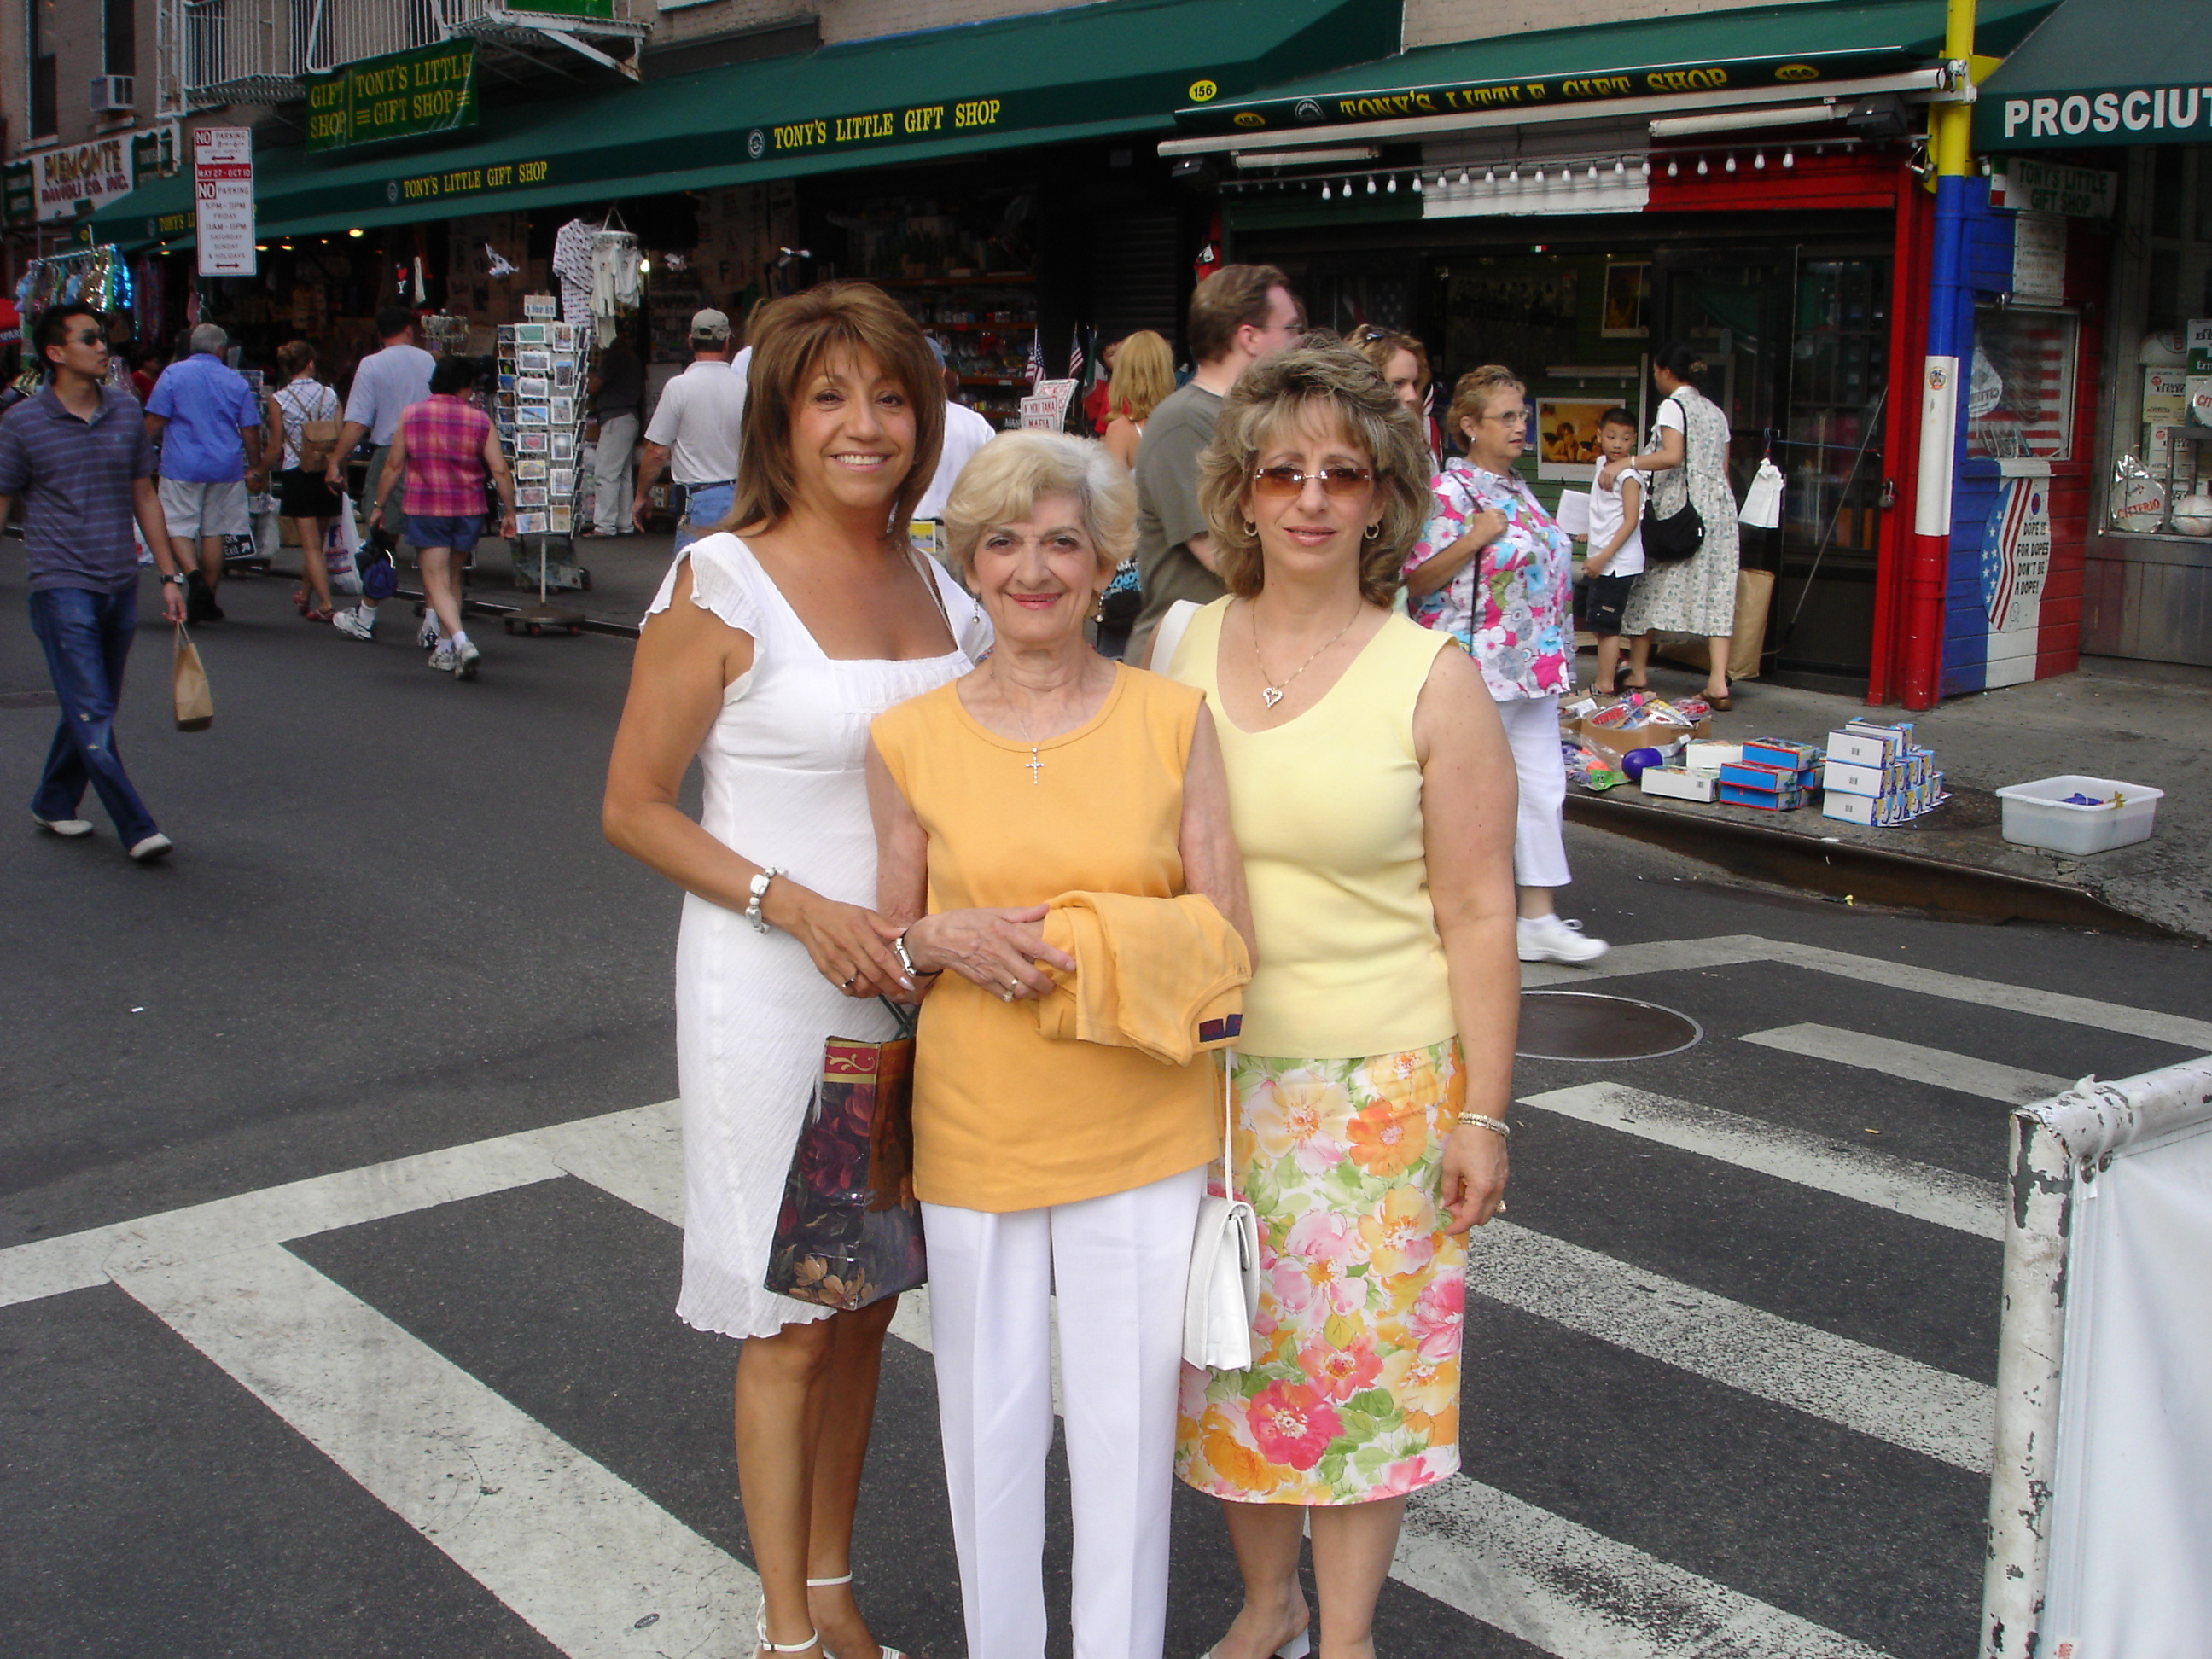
(1228, 1121)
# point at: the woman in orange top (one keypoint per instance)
(1041, 1163)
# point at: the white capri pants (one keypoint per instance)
(1119, 1264)
(1532, 727)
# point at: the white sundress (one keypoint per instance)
(784, 785)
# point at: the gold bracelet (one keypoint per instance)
(1497, 1126)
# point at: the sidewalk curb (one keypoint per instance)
(1877, 876)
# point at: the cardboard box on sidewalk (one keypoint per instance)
(1677, 783)
(1619, 740)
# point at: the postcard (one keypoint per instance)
(564, 445)
(529, 414)
(532, 385)
(530, 334)
(530, 495)
(564, 480)
(530, 443)
(563, 519)
(564, 411)
(529, 524)
(535, 362)
(530, 469)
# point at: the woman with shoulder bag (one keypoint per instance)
(1688, 462)
(303, 429)
(1371, 790)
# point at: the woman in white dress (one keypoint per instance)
(766, 655)
(1688, 458)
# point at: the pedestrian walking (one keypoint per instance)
(209, 424)
(694, 433)
(1046, 1164)
(1370, 784)
(1238, 315)
(79, 454)
(762, 657)
(443, 452)
(303, 492)
(1495, 571)
(384, 383)
(1688, 459)
(618, 389)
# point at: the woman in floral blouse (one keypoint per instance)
(1496, 573)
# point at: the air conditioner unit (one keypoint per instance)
(114, 93)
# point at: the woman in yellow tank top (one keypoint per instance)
(1372, 795)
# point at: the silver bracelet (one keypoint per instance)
(898, 949)
(758, 889)
(1497, 1126)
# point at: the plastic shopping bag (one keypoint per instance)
(338, 546)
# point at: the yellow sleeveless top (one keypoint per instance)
(1327, 811)
(1004, 1117)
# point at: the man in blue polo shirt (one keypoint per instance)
(208, 422)
(84, 466)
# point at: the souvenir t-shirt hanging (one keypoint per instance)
(614, 278)
(572, 264)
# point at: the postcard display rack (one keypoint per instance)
(544, 368)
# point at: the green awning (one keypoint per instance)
(2103, 72)
(1802, 45)
(1110, 69)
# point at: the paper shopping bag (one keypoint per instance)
(188, 686)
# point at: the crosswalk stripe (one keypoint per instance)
(1577, 1593)
(1920, 1190)
(1553, 1583)
(626, 1153)
(588, 1561)
(1731, 950)
(1914, 1062)
(1860, 1387)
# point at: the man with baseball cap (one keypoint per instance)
(693, 432)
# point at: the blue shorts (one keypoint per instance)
(458, 533)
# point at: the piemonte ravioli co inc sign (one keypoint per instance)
(430, 89)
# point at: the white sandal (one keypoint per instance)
(760, 1631)
(831, 1583)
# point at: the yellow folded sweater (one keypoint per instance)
(1164, 976)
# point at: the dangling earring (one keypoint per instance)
(1373, 531)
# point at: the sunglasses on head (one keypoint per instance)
(1284, 481)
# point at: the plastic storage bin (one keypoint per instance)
(2038, 814)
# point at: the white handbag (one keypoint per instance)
(1223, 1297)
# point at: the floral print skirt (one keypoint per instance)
(1353, 1394)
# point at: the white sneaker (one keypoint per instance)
(68, 828)
(1553, 938)
(156, 845)
(351, 622)
(427, 635)
(465, 659)
(441, 658)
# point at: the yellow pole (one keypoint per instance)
(1948, 123)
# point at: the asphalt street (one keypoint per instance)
(338, 1245)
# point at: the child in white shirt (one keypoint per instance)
(1616, 545)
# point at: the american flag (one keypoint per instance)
(1077, 353)
(1035, 367)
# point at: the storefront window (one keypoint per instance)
(2020, 397)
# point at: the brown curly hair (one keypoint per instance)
(1319, 372)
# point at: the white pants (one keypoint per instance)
(1532, 728)
(611, 491)
(1119, 1265)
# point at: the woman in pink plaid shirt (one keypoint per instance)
(444, 448)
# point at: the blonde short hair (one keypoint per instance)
(1471, 397)
(1144, 374)
(1001, 482)
(792, 338)
(1276, 391)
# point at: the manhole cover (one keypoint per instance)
(1586, 1025)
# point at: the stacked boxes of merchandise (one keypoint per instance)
(543, 366)
(1772, 775)
(1877, 775)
